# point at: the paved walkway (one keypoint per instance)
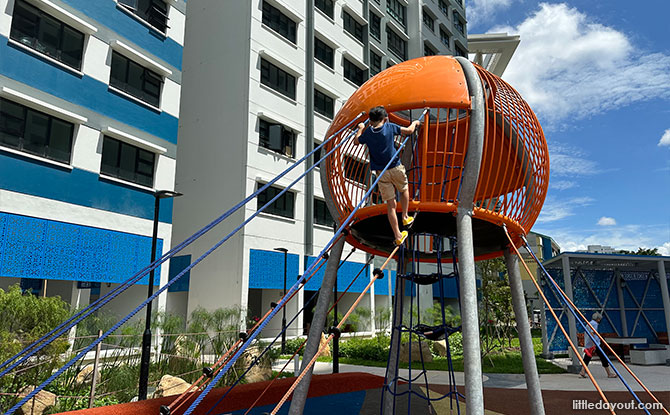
(656, 378)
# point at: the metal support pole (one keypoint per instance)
(663, 283)
(546, 353)
(318, 323)
(283, 310)
(94, 381)
(525, 337)
(474, 390)
(146, 337)
(336, 341)
(309, 126)
(572, 324)
(622, 305)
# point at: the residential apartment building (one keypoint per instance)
(253, 103)
(89, 109)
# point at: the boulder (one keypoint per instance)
(440, 347)
(326, 351)
(171, 385)
(38, 404)
(261, 371)
(416, 356)
(85, 376)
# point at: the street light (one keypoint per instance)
(146, 338)
(283, 316)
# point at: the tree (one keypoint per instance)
(496, 314)
(642, 251)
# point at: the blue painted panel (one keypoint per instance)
(106, 13)
(177, 265)
(266, 269)
(341, 403)
(382, 286)
(546, 248)
(85, 91)
(46, 249)
(450, 288)
(345, 276)
(79, 187)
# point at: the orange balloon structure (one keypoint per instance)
(514, 171)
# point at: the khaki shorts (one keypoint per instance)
(392, 180)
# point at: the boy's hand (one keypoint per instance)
(361, 127)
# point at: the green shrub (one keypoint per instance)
(376, 348)
(293, 344)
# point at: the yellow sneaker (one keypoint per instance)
(400, 241)
(408, 221)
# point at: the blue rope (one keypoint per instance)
(293, 288)
(178, 276)
(69, 323)
(586, 330)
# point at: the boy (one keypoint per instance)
(379, 138)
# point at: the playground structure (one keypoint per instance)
(478, 170)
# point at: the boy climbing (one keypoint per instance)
(379, 138)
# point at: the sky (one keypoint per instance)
(597, 75)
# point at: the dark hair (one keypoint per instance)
(377, 114)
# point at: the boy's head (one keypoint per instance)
(377, 114)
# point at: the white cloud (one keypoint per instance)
(569, 66)
(554, 210)
(570, 161)
(664, 249)
(606, 221)
(628, 237)
(480, 11)
(665, 140)
(562, 184)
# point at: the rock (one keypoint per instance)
(261, 371)
(326, 351)
(38, 404)
(184, 347)
(171, 385)
(440, 347)
(416, 356)
(85, 376)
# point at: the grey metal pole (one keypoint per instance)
(94, 381)
(396, 320)
(572, 324)
(525, 338)
(663, 283)
(622, 304)
(318, 323)
(474, 390)
(309, 126)
(546, 353)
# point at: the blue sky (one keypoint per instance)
(597, 74)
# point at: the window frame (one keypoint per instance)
(329, 112)
(458, 22)
(399, 15)
(39, 17)
(358, 77)
(21, 129)
(274, 209)
(107, 140)
(324, 3)
(126, 87)
(290, 32)
(374, 69)
(287, 137)
(322, 219)
(427, 48)
(328, 48)
(149, 16)
(358, 29)
(391, 47)
(444, 7)
(444, 35)
(285, 90)
(428, 20)
(374, 20)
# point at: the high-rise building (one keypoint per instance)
(89, 108)
(254, 101)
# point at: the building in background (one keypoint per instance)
(247, 115)
(89, 108)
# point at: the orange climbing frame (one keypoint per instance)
(514, 171)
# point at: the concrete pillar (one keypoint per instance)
(622, 305)
(663, 283)
(525, 337)
(572, 324)
(318, 323)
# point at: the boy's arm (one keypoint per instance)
(410, 129)
(361, 128)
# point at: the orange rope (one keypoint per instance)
(603, 341)
(553, 313)
(325, 344)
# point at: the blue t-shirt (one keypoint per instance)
(380, 142)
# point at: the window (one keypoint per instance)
(428, 51)
(277, 79)
(136, 80)
(326, 6)
(428, 21)
(354, 73)
(279, 22)
(375, 26)
(283, 206)
(397, 10)
(127, 162)
(460, 51)
(322, 214)
(356, 170)
(323, 104)
(458, 23)
(39, 31)
(396, 44)
(375, 63)
(317, 153)
(34, 132)
(352, 26)
(389, 63)
(444, 37)
(276, 137)
(154, 12)
(323, 53)
(444, 7)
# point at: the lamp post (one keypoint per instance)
(146, 338)
(283, 315)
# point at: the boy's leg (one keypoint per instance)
(404, 203)
(393, 218)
